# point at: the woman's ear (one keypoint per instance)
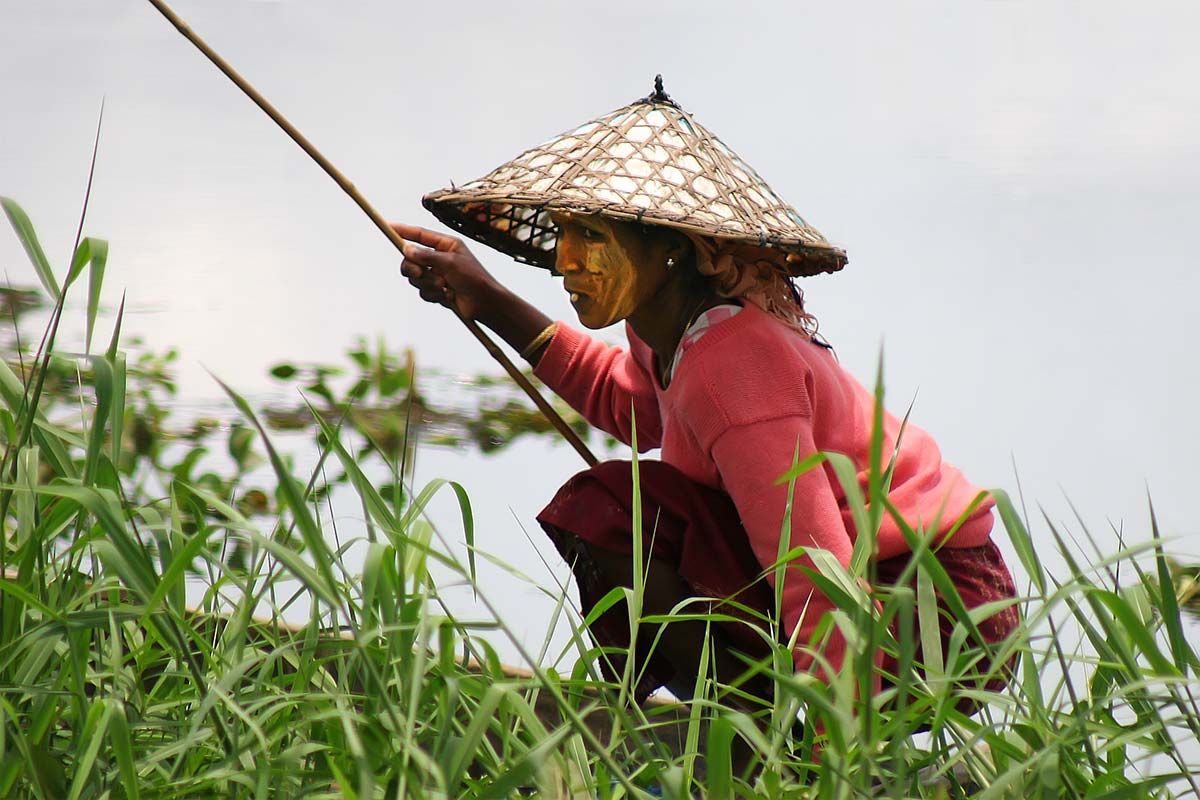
(678, 247)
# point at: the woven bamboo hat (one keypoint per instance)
(647, 162)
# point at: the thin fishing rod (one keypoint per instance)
(543, 405)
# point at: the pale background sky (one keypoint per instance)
(1015, 183)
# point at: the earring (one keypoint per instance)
(670, 263)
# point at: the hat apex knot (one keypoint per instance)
(659, 95)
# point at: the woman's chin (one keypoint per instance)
(589, 323)
(586, 314)
(593, 321)
(593, 316)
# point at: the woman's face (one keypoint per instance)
(609, 268)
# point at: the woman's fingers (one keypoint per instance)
(444, 271)
(422, 268)
(416, 267)
(415, 233)
(431, 286)
(429, 258)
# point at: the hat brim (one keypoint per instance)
(521, 227)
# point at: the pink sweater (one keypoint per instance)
(740, 400)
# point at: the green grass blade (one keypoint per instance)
(19, 592)
(927, 621)
(1137, 631)
(376, 506)
(89, 745)
(176, 566)
(1021, 540)
(26, 495)
(91, 253)
(467, 746)
(106, 507)
(115, 339)
(28, 238)
(122, 747)
(1169, 603)
(97, 262)
(294, 498)
(719, 758)
(116, 422)
(468, 518)
(103, 384)
(52, 439)
(785, 535)
(1134, 791)
(876, 477)
(864, 543)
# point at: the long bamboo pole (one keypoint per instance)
(349, 188)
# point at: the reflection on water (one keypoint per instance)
(376, 391)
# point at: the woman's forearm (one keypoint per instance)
(516, 321)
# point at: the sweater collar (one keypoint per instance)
(647, 358)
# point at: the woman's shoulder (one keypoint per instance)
(696, 331)
(747, 369)
(754, 341)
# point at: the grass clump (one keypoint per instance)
(139, 658)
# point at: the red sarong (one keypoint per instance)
(696, 529)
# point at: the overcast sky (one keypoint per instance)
(1015, 184)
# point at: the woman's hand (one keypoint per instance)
(445, 272)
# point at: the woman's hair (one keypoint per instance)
(758, 275)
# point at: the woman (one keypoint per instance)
(650, 220)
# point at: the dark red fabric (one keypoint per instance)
(696, 529)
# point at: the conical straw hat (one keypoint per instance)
(648, 162)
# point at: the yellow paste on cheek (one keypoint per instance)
(614, 277)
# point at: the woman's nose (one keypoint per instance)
(566, 258)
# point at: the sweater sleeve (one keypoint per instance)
(603, 383)
(750, 458)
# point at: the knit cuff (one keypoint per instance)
(553, 366)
